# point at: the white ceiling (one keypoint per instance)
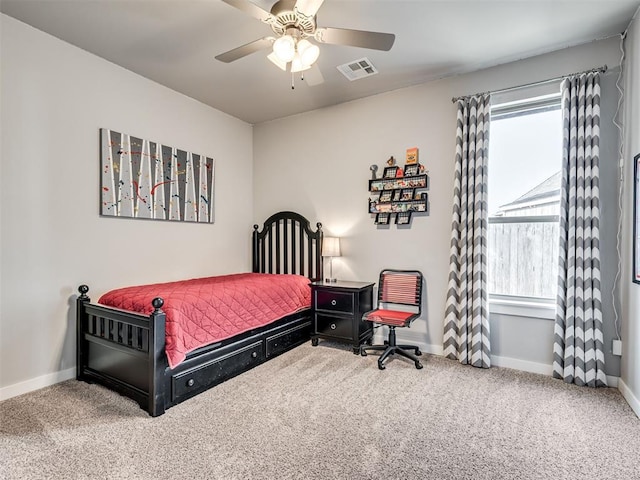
(174, 42)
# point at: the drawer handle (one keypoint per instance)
(191, 382)
(333, 326)
(254, 354)
(333, 302)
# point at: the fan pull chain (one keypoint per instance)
(292, 84)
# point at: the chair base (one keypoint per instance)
(391, 348)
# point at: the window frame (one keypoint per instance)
(517, 305)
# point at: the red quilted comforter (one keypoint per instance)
(207, 310)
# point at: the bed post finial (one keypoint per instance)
(319, 225)
(83, 289)
(255, 226)
(157, 304)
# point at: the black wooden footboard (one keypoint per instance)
(123, 351)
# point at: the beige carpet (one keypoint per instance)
(316, 413)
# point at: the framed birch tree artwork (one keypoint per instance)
(145, 179)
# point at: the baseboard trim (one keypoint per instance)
(407, 336)
(523, 365)
(37, 383)
(628, 395)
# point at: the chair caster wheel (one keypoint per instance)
(418, 365)
(363, 353)
(381, 367)
(314, 342)
(418, 352)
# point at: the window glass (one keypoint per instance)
(525, 150)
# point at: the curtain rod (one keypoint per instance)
(601, 69)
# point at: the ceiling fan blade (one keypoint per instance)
(245, 50)
(313, 76)
(308, 7)
(247, 7)
(356, 38)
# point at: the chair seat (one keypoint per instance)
(395, 318)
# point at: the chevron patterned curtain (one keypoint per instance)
(466, 329)
(578, 355)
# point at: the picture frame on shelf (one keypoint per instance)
(406, 194)
(403, 218)
(382, 218)
(385, 196)
(636, 219)
(390, 172)
(412, 155)
(411, 170)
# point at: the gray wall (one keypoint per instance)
(318, 163)
(55, 98)
(630, 377)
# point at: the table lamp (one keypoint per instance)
(330, 248)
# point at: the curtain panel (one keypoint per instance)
(466, 326)
(578, 351)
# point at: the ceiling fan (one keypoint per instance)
(294, 23)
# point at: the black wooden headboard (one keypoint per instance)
(287, 244)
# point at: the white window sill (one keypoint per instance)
(523, 308)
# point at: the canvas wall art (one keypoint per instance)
(145, 179)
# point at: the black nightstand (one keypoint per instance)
(337, 312)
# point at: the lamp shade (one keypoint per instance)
(285, 48)
(308, 52)
(331, 247)
(297, 65)
(274, 58)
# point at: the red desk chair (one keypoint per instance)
(398, 291)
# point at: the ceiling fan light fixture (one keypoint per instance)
(308, 52)
(297, 65)
(277, 62)
(285, 48)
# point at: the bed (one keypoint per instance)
(125, 350)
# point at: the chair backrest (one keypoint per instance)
(400, 287)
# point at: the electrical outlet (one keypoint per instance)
(617, 348)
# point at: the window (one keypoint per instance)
(525, 150)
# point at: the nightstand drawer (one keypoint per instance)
(328, 325)
(334, 301)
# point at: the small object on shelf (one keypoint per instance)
(390, 172)
(403, 218)
(374, 169)
(407, 194)
(399, 173)
(396, 195)
(411, 170)
(392, 161)
(385, 196)
(382, 219)
(412, 155)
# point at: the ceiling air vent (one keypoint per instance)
(357, 69)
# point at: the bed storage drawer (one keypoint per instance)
(281, 342)
(189, 382)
